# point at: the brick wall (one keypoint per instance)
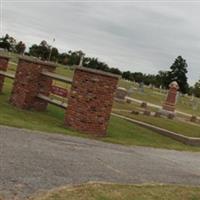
(3, 66)
(29, 82)
(90, 101)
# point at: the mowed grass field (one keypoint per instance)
(187, 129)
(52, 121)
(122, 192)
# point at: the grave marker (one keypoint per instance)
(170, 103)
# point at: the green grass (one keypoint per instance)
(52, 120)
(186, 129)
(126, 133)
(122, 192)
(130, 106)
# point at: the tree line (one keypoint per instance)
(177, 71)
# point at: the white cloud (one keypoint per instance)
(136, 36)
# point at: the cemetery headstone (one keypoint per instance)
(135, 112)
(141, 87)
(157, 114)
(170, 103)
(195, 103)
(143, 105)
(147, 112)
(128, 101)
(130, 91)
(193, 118)
(121, 93)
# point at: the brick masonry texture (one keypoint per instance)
(90, 101)
(29, 82)
(3, 66)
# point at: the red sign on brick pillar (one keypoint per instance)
(170, 102)
(59, 91)
(29, 82)
(3, 67)
(90, 100)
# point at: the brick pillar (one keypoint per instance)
(170, 103)
(3, 66)
(90, 101)
(29, 82)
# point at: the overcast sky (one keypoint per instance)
(141, 36)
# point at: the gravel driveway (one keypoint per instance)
(33, 161)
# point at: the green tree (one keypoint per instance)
(94, 63)
(20, 47)
(74, 57)
(178, 73)
(127, 75)
(33, 50)
(196, 89)
(164, 79)
(54, 54)
(41, 51)
(191, 90)
(44, 50)
(137, 77)
(63, 58)
(115, 71)
(8, 43)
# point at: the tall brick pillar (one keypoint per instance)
(29, 82)
(3, 66)
(170, 103)
(90, 101)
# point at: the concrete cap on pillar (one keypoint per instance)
(37, 61)
(95, 71)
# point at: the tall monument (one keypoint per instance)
(170, 103)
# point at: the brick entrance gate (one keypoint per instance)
(89, 102)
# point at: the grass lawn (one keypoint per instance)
(186, 129)
(131, 106)
(122, 192)
(119, 131)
